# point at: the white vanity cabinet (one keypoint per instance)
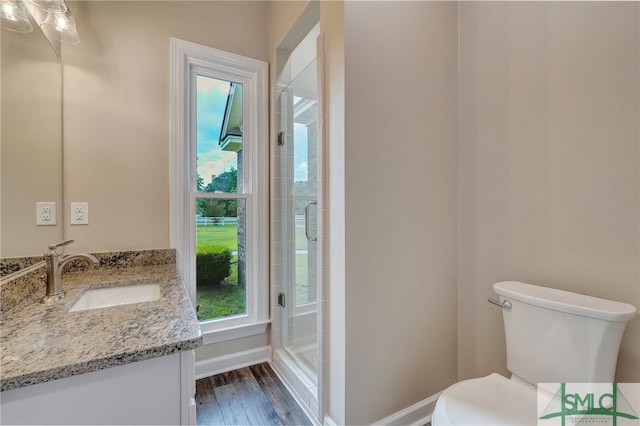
(132, 363)
(154, 391)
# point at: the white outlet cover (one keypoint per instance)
(79, 214)
(46, 213)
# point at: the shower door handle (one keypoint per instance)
(306, 219)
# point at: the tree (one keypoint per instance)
(212, 208)
(224, 182)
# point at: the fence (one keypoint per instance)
(216, 221)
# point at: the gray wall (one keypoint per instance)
(400, 162)
(549, 162)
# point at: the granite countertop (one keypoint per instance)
(40, 343)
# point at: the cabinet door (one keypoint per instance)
(144, 392)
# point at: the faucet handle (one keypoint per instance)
(53, 247)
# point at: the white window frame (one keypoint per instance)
(188, 60)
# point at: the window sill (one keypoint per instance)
(236, 332)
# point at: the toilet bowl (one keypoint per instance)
(493, 400)
(552, 336)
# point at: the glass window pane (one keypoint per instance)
(219, 135)
(305, 158)
(220, 258)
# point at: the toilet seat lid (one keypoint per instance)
(491, 400)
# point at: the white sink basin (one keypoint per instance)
(115, 296)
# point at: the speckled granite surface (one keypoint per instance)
(9, 265)
(30, 279)
(30, 282)
(40, 343)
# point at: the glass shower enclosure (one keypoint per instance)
(299, 185)
(297, 216)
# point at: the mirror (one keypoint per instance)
(30, 142)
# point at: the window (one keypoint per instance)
(219, 187)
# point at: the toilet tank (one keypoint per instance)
(555, 336)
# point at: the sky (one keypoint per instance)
(211, 101)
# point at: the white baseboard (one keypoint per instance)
(222, 364)
(417, 414)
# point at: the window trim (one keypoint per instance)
(187, 59)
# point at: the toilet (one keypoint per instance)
(552, 336)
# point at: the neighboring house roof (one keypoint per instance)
(231, 131)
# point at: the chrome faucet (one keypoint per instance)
(55, 263)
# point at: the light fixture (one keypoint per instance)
(14, 17)
(50, 5)
(60, 26)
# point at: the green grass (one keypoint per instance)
(223, 300)
(226, 236)
(228, 298)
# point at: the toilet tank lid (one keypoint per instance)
(565, 301)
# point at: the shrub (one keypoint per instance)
(213, 264)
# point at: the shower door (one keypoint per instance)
(298, 145)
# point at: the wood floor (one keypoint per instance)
(248, 396)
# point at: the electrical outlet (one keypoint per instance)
(79, 213)
(45, 213)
